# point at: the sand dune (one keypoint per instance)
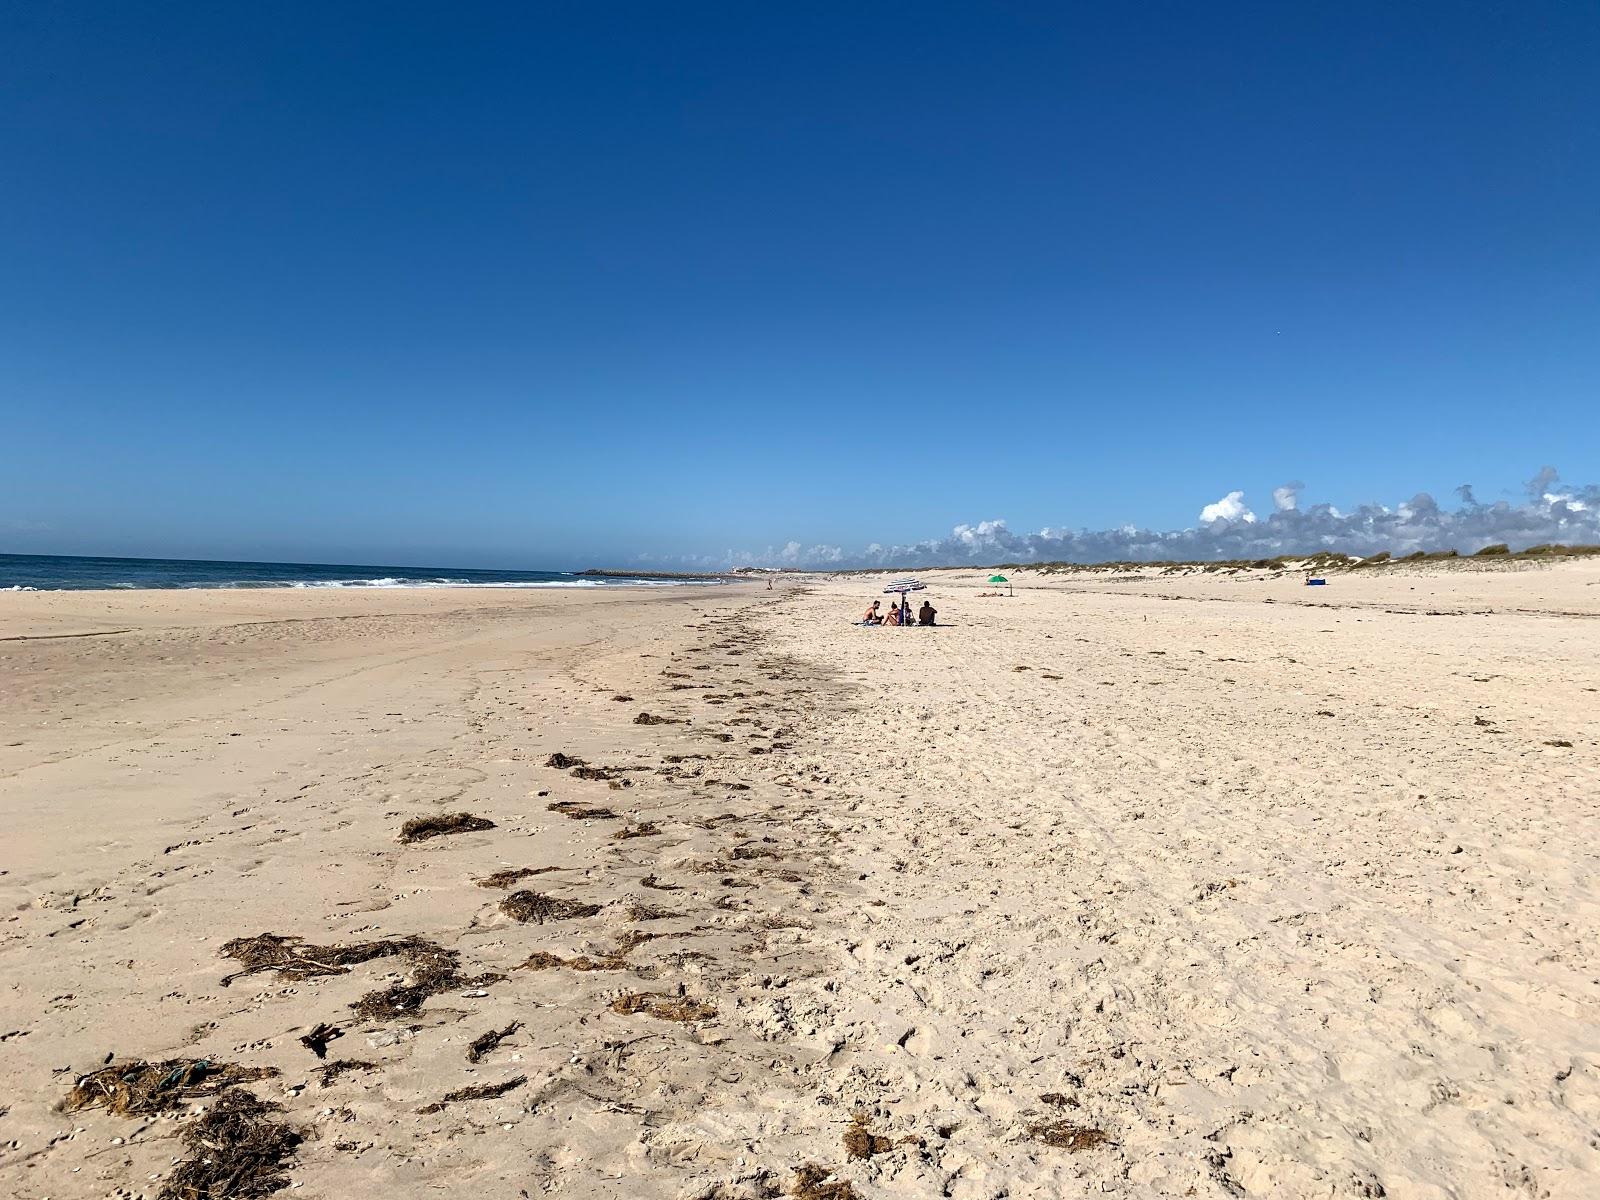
(1160, 887)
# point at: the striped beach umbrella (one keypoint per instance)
(902, 586)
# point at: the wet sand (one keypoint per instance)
(1137, 887)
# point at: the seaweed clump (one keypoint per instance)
(321, 1034)
(420, 829)
(543, 960)
(580, 812)
(480, 1091)
(664, 1008)
(609, 775)
(505, 878)
(812, 1182)
(861, 1142)
(1066, 1135)
(293, 958)
(538, 908)
(433, 970)
(237, 1151)
(327, 1074)
(486, 1042)
(138, 1088)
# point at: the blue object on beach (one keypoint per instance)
(1316, 583)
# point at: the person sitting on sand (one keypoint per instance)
(871, 617)
(926, 614)
(894, 616)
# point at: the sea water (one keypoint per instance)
(48, 573)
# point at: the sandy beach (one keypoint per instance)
(1130, 884)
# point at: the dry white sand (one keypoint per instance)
(1235, 897)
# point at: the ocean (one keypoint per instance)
(51, 573)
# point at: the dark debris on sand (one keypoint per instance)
(637, 910)
(537, 907)
(504, 879)
(292, 958)
(317, 1040)
(480, 1091)
(610, 775)
(137, 1087)
(543, 960)
(1067, 1135)
(327, 1074)
(486, 1042)
(237, 1151)
(645, 718)
(433, 970)
(420, 829)
(580, 812)
(642, 829)
(664, 1008)
(562, 761)
(861, 1142)
(812, 1182)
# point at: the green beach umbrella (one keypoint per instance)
(1004, 580)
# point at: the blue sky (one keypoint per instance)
(567, 284)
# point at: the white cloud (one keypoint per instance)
(1228, 529)
(1230, 508)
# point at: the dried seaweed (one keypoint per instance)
(562, 761)
(236, 1152)
(420, 829)
(537, 907)
(861, 1142)
(486, 1042)
(751, 850)
(645, 718)
(138, 1087)
(639, 911)
(642, 829)
(611, 775)
(317, 1040)
(632, 939)
(292, 958)
(812, 1182)
(543, 960)
(580, 812)
(480, 1091)
(1065, 1135)
(540, 960)
(326, 1075)
(433, 970)
(505, 878)
(665, 1008)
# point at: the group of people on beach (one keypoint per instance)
(899, 614)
